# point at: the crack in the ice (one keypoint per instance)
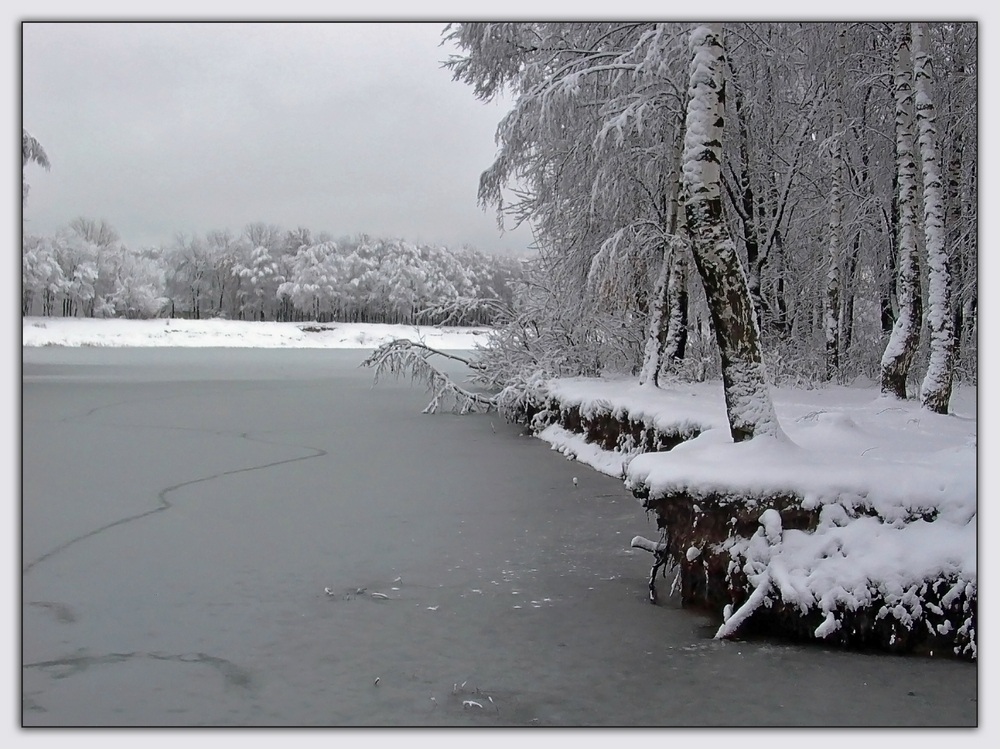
(63, 612)
(165, 504)
(234, 675)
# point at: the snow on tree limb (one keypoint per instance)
(403, 357)
(660, 560)
(589, 151)
(459, 310)
(759, 595)
(31, 151)
(653, 547)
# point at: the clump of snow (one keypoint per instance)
(75, 331)
(653, 547)
(770, 522)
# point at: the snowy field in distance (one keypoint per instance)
(75, 331)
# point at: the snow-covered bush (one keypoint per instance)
(552, 330)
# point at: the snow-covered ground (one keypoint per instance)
(878, 469)
(838, 424)
(75, 331)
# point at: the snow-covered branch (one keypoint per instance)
(404, 358)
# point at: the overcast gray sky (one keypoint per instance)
(161, 128)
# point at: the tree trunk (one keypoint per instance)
(663, 320)
(831, 317)
(906, 331)
(783, 322)
(677, 321)
(748, 398)
(847, 298)
(656, 334)
(935, 392)
(744, 203)
(889, 302)
(831, 320)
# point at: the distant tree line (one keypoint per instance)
(265, 273)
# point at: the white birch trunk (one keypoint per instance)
(677, 300)
(656, 332)
(748, 397)
(906, 331)
(831, 320)
(831, 317)
(935, 391)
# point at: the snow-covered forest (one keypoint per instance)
(847, 177)
(264, 273)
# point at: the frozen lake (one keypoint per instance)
(184, 510)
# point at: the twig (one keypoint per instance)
(659, 552)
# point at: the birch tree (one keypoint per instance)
(935, 391)
(832, 318)
(677, 323)
(905, 334)
(656, 336)
(748, 398)
(956, 70)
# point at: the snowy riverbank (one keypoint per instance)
(75, 331)
(860, 527)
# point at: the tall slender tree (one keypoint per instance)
(658, 327)
(748, 398)
(935, 391)
(905, 334)
(832, 317)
